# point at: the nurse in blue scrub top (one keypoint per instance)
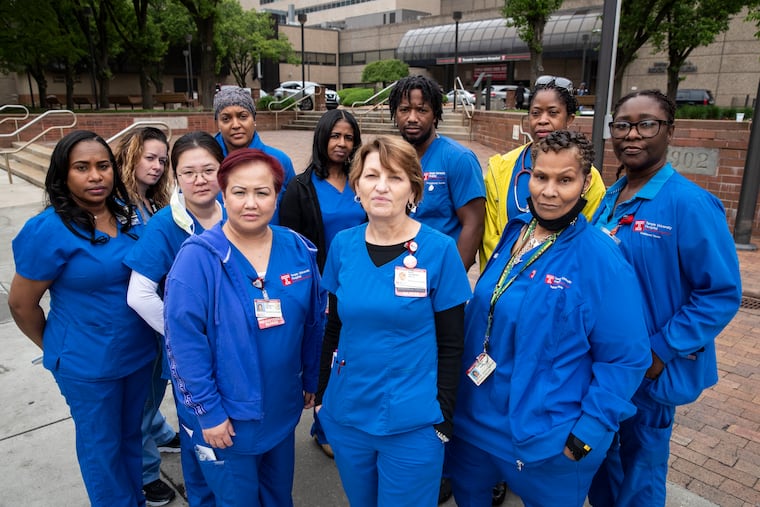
(244, 323)
(195, 158)
(394, 339)
(320, 202)
(99, 351)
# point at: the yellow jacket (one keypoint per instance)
(498, 177)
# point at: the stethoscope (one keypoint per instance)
(524, 170)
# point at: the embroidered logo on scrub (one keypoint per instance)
(652, 229)
(299, 276)
(557, 282)
(434, 178)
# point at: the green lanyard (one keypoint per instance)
(503, 284)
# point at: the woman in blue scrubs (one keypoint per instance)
(244, 324)
(555, 345)
(195, 157)
(142, 157)
(99, 351)
(394, 338)
(319, 203)
(675, 236)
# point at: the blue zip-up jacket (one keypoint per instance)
(222, 364)
(569, 342)
(679, 245)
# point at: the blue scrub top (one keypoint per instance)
(339, 210)
(384, 380)
(452, 179)
(90, 331)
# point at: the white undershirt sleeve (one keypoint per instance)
(143, 298)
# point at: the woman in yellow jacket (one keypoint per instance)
(552, 107)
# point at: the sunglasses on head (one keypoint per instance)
(559, 82)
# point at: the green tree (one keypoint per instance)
(204, 14)
(31, 40)
(384, 71)
(689, 25)
(244, 38)
(529, 17)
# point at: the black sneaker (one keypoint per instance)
(499, 493)
(170, 446)
(158, 493)
(444, 491)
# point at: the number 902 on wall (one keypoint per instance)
(694, 160)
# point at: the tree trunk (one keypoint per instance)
(69, 76)
(208, 61)
(147, 96)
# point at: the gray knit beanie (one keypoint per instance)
(233, 96)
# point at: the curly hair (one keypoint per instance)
(564, 95)
(560, 140)
(431, 93)
(128, 156)
(59, 195)
(319, 156)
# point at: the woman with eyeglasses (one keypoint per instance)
(195, 158)
(554, 345)
(99, 351)
(675, 236)
(552, 107)
(244, 324)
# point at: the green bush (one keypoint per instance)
(263, 103)
(712, 112)
(350, 95)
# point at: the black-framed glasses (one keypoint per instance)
(645, 128)
(560, 82)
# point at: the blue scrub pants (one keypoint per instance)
(252, 480)
(107, 416)
(155, 429)
(636, 467)
(557, 481)
(198, 492)
(316, 430)
(387, 471)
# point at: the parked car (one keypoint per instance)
(293, 89)
(499, 96)
(464, 97)
(694, 96)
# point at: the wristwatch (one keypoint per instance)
(578, 447)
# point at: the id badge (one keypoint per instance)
(608, 233)
(268, 312)
(481, 369)
(411, 283)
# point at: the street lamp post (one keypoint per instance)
(186, 54)
(189, 39)
(583, 65)
(457, 17)
(302, 20)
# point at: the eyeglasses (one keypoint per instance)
(189, 176)
(645, 128)
(560, 82)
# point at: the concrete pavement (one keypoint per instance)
(715, 448)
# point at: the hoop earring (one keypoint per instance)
(357, 200)
(411, 207)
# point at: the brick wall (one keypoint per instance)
(729, 138)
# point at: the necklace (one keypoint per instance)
(531, 243)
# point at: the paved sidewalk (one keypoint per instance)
(715, 446)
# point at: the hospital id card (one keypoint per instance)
(481, 369)
(268, 313)
(411, 283)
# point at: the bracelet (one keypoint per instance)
(441, 436)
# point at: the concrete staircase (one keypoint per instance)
(454, 125)
(30, 164)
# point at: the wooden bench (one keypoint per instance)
(585, 100)
(53, 101)
(172, 98)
(125, 100)
(81, 100)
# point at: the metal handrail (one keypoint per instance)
(289, 107)
(141, 123)
(364, 112)
(15, 119)
(53, 112)
(458, 86)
